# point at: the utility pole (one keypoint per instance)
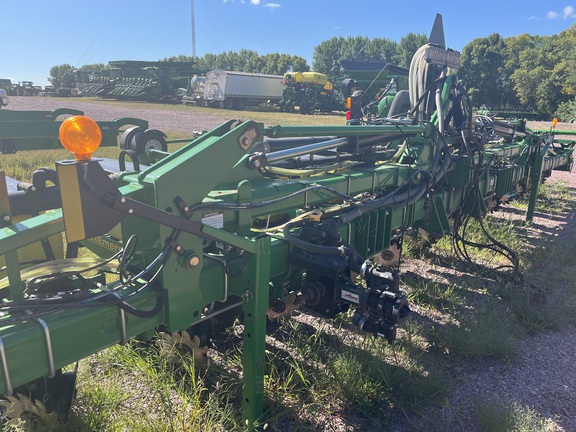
(193, 29)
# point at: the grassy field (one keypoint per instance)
(323, 376)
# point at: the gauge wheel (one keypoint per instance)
(150, 139)
(127, 136)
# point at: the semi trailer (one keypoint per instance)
(236, 90)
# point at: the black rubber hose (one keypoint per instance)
(311, 247)
(149, 313)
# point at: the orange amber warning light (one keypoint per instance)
(80, 135)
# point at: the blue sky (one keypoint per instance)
(40, 34)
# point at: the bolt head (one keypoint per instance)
(193, 261)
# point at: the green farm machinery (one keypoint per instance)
(373, 83)
(159, 81)
(248, 219)
(310, 92)
(36, 130)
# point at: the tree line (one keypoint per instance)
(526, 72)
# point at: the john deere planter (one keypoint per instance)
(244, 217)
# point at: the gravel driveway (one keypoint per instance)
(184, 122)
(543, 377)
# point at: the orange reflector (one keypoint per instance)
(80, 135)
(554, 122)
(349, 103)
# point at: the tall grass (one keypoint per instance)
(504, 417)
(135, 388)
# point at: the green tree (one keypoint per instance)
(63, 76)
(229, 60)
(327, 54)
(244, 56)
(566, 111)
(208, 61)
(299, 64)
(383, 49)
(408, 46)
(482, 67)
(250, 61)
(255, 64)
(542, 76)
(179, 58)
(270, 63)
(94, 67)
(565, 53)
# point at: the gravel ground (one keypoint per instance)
(179, 121)
(542, 377)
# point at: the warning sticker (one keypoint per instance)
(347, 295)
(215, 220)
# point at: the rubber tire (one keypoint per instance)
(240, 105)
(141, 140)
(229, 104)
(127, 136)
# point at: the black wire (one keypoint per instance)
(461, 221)
(247, 206)
(60, 275)
(56, 303)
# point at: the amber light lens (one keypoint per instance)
(80, 135)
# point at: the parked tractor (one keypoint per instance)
(26, 88)
(6, 84)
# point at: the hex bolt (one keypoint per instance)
(247, 296)
(193, 261)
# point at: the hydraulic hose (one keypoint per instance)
(406, 198)
(311, 247)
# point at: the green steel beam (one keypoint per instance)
(43, 134)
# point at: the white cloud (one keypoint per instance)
(255, 2)
(568, 12)
(533, 17)
(272, 6)
(552, 15)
